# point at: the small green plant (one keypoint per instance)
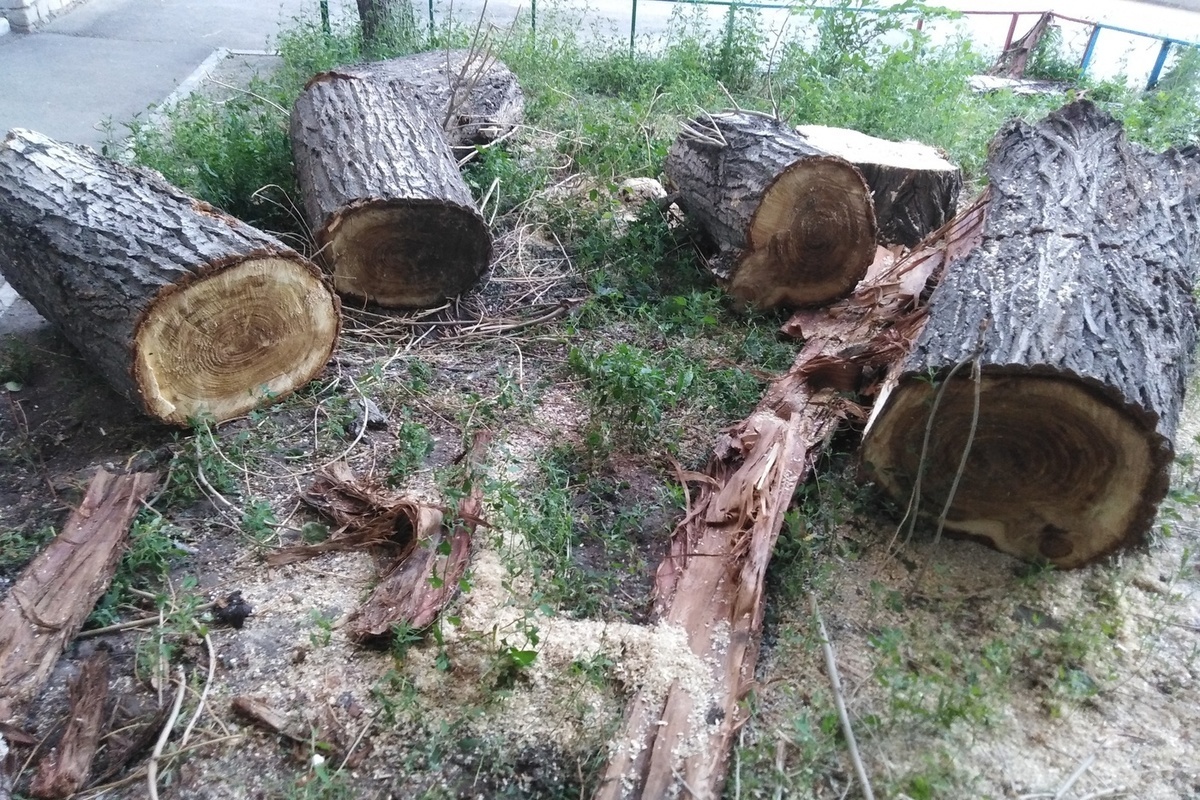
(413, 446)
(258, 521)
(628, 390)
(17, 546)
(144, 567)
(323, 624)
(16, 361)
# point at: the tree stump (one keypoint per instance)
(394, 219)
(1078, 309)
(184, 310)
(914, 188)
(793, 225)
(473, 96)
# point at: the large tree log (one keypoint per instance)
(184, 310)
(914, 188)
(712, 579)
(1077, 310)
(794, 226)
(471, 94)
(65, 769)
(394, 219)
(48, 604)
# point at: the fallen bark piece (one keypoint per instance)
(53, 596)
(182, 309)
(266, 717)
(1077, 311)
(794, 226)
(915, 189)
(472, 95)
(64, 771)
(366, 517)
(420, 585)
(711, 581)
(393, 217)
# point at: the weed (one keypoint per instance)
(17, 547)
(323, 624)
(16, 361)
(1049, 62)
(258, 522)
(413, 446)
(145, 566)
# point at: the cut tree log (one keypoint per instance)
(182, 309)
(53, 596)
(64, 771)
(793, 225)
(473, 96)
(914, 187)
(394, 219)
(1077, 312)
(711, 581)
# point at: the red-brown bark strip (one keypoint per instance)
(65, 769)
(53, 596)
(711, 581)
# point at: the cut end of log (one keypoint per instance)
(407, 254)
(811, 238)
(269, 323)
(1056, 472)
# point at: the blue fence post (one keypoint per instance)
(1158, 63)
(431, 19)
(533, 18)
(1087, 51)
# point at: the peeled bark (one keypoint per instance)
(182, 309)
(793, 226)
(394, 219)
(914, 188)
(1077, 311)
(53, 596)
(711, 582)
(472, 95)
(64, 771)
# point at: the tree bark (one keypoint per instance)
(1077, 312)
(64, 771)
(380, 17)
(53, 596)
(793, 226)
(472, 95)
(395, 221)
(712, 580)
(914, 188)
(184, 310)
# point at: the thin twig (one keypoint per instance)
(212, 669)
(839, 700)
(140, 622)
(1071, 780)
(358, 739)
(152, 765)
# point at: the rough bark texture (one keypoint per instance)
(378, 17)
(1078, 310)
(473, 96)
(396, 222)
(914, 188)
(794, 226)
(182, 309)
(711, 582)
(64, 771)
(53, 596)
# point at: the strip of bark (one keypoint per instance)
(420, 586)
(54, 595)
(65, 769)
(711, 581)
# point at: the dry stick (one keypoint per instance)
(1083, 767)
(140, 622)
(839, 700)
(152, 766)
(212, 669)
